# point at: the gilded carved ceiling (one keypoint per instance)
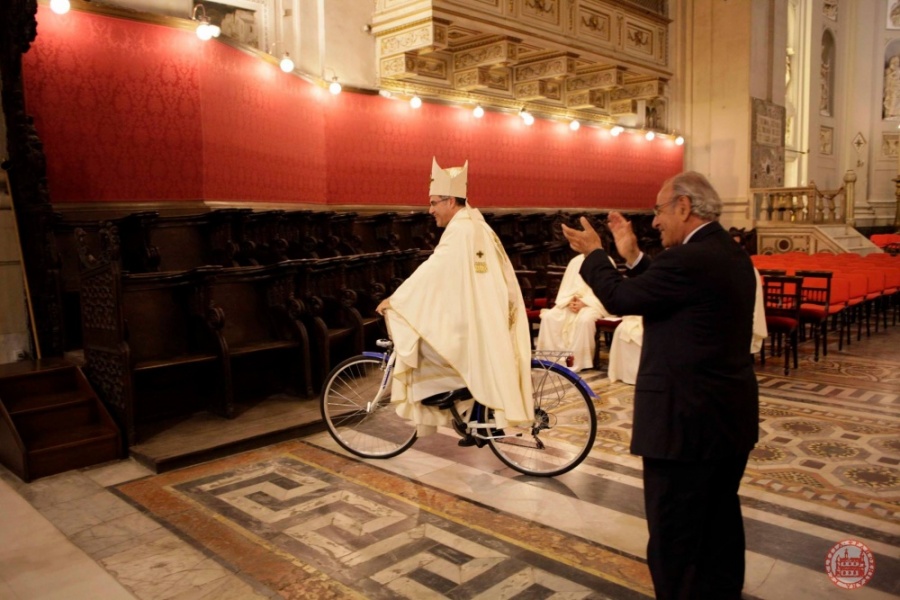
(598, 60)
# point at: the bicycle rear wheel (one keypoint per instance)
(354, 419)
(562, 433)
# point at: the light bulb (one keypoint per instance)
(286, 64)
(60, 7)
(334, 87)
(649, 135)
(385, 93)
(477, 112)
(574, 125)
(203, 31)
(415, 102)
(679, 141)
(528, 118)
(214, 30)
(615, 131)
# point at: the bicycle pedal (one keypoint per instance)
(469, 441)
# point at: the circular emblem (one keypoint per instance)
(850, 564)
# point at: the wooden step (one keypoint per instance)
(20, 381)
(80, 411)
(75, 448)
(47, 402)
(52, 421)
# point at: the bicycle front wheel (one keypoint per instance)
(562, 433)
(360, 424)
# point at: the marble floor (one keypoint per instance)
(302, 519)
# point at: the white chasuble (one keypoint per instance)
(459, 321)
(564, 329)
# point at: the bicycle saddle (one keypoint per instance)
(446, 399)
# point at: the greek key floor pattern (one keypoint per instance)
(302, 519)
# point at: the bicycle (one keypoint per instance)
(356, 408)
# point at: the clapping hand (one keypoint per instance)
(585, 241)
(626, 241)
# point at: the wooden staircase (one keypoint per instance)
(52, 421)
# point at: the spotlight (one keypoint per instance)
(615, 131)
(527, 117)
(415, 102)
(649, 136)
(286, 64)
(334, 87)
(679, 141)
(574, 125)
(205, 30)
(477, 112)
(60, 7)
(385, 93)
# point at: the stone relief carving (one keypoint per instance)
(889, 145)
(541, 5)
(826, 138)
(830, 10)
(892, 88)
(594, 23)
(825, 86)
(893, 17)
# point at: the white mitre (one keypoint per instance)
(449, 182)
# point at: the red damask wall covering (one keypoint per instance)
(130, 111)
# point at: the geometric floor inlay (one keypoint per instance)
(345, 528)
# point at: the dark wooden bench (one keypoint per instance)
(260, 237)
(151, 242)
(376, 232)
(335, 327)
(263, 344)
(172, 343)
(147, 353)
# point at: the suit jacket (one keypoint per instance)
(696, 396)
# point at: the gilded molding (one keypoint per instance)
(607, 78)
(509, 51)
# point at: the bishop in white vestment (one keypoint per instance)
(570, 324)
(459, 320)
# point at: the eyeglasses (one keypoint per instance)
(658, 208)
(434, 203)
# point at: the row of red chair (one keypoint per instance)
(883, 240)
(841, 287)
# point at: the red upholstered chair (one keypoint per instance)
(782, 298)
(553, 275)
(604, 332)
(820, 302)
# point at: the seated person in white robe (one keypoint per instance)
(459, 320)
(625, 352)
(569, 325)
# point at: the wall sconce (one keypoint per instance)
(334, 87)
(385, 93)
(477, 112)
(679, 141)
(415, 101)
(205, 30)
(286, 64)
(615, 131)
(527, 117)
(574, 125)
(649, 136)
(60, 7)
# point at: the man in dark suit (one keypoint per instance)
(696, 402)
